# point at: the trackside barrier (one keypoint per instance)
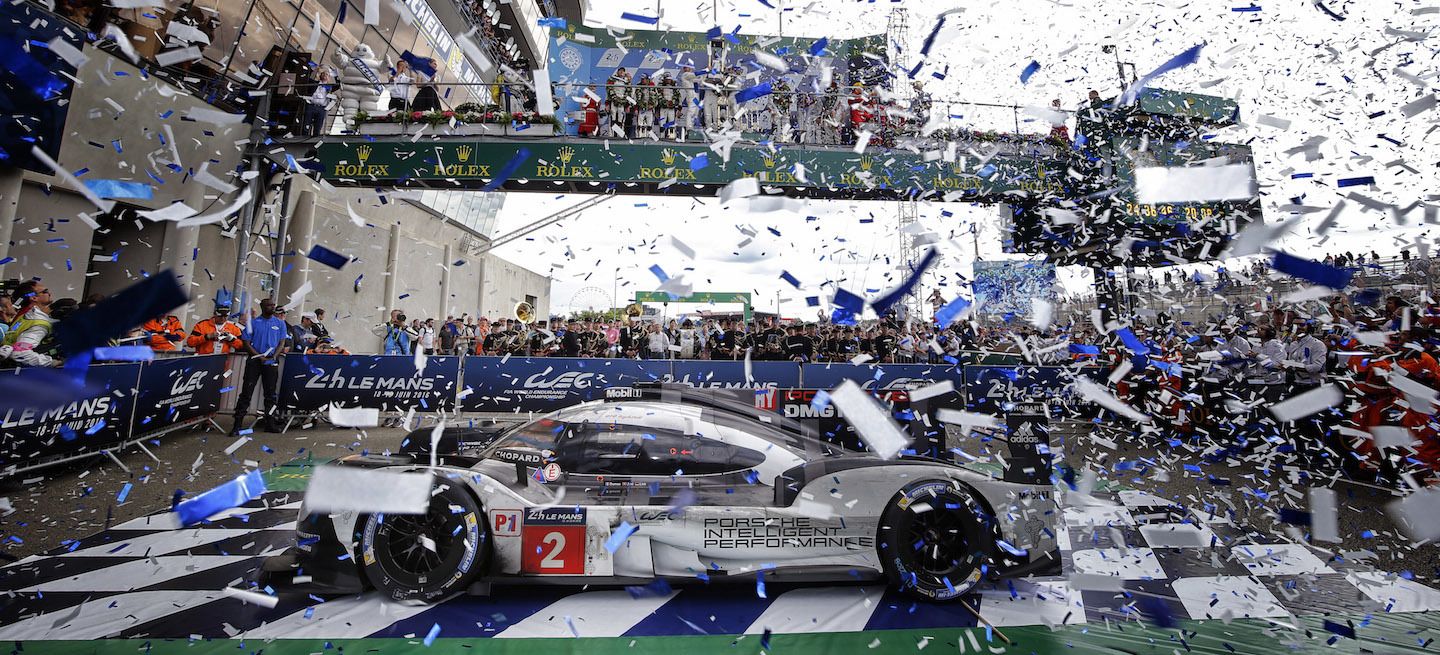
(57, 420)
(542, 384)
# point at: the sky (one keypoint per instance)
(1298, 73)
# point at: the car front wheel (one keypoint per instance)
(934, 540)
(427, 557)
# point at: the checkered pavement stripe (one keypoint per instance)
(1200, 565)
(149, 578)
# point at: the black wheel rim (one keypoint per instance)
(405, 538)
(937, 543)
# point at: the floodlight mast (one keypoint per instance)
(546, 221)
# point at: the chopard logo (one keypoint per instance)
(567, 380)
(898, 383)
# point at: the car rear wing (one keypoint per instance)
(1027, 459)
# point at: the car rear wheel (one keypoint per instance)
(428, 556)
(933, 540)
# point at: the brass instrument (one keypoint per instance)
(524, 312)
(634, 310)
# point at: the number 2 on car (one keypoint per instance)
(552, 541)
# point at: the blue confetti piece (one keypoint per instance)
(124, 492)
(118, 314)
(327, 257)
(785, 275)
(648, 20)
(1294, 516)
(812, 301)
(1339, 628)
(618, 537)
(888, 300)
(818, 48)
(1356, 181)
(951, 312)
(700, 161)
(119, 189)
(659, 272)
(760, 584)
(232, 494)
(713, 33)
(848, 308)
(549, 21)
(124, 354)
(1030, 70)
(34, 75)
(752, 92)
(1132, 342)
(1177, 62)
(1305, 269)
(507, 170)
(1158, 611)
(434, 632)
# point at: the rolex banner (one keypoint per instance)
(475, 164)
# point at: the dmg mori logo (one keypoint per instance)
(362, 153)
(667, 158)
(462, 154)
(567, 380)
(565, 155)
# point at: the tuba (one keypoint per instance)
(524, 312)
(634, 310)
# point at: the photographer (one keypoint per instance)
(397, 335)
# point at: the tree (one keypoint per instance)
(591, 315)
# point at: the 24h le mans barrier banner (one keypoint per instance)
(67, 414)
(542, 384)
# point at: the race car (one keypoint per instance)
(676, 485)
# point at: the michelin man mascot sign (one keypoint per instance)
(360, 86)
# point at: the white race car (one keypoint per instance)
(675, 485)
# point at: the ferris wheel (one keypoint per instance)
(591, 298)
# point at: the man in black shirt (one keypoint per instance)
(772, 343)
(885, 344)
(794, 345)
(570, 345)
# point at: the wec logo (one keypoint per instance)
(567, 380)
(190, 384)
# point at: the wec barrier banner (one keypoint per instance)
(385, 382)
(79, 419)
(542, 384)
(179, 390)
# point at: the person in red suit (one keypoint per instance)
(590, 120)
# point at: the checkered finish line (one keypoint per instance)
(148, 578)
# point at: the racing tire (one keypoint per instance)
(933, 540)
(431, 556)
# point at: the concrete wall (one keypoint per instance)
(431, 276)
(507, 283)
